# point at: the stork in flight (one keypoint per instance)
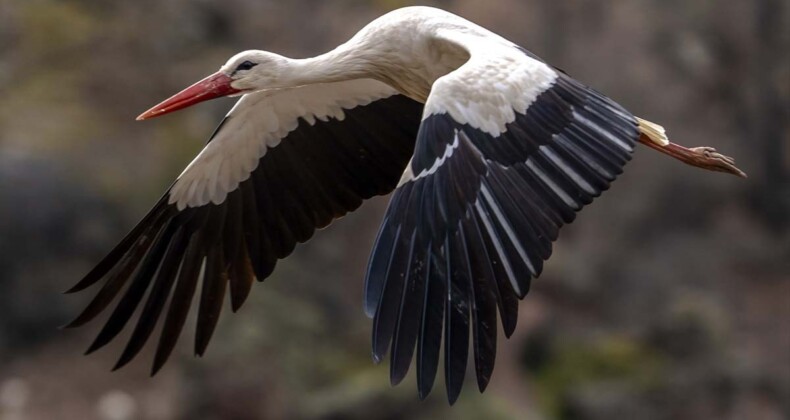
(489, 150)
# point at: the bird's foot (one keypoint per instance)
(702, 157)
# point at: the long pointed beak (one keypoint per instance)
(214, 86)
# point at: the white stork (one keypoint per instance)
(489, 150)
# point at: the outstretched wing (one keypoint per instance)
(508, 150)
(280, 165)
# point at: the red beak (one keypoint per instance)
(214, 86)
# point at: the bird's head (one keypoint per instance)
(245, 72)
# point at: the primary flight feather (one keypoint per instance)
(489, 151)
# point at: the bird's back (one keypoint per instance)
(416, 45)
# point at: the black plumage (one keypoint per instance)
(317, 173)
(498, 203)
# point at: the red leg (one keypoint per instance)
(702, 157)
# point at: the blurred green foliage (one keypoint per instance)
(588, 364)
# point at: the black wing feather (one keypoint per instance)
(183, 295)
(157, 297)
(215, 280)
(430, 338)
(483, 301)
(134, 294)
(318, 172)
(456, 329)
(499, 202)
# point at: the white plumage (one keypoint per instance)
(489, 150)
(488, 90)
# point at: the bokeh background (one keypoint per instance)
(667, 298)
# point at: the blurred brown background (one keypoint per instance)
(667, 298)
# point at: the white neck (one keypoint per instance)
(342, 63)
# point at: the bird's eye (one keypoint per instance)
(246, 65)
